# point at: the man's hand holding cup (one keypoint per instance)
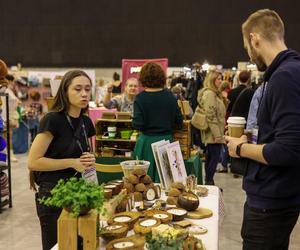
(236, 127)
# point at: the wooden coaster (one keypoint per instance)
(183, 223)
(194, 230)
(200, 213)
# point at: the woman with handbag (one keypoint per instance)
(211, 114)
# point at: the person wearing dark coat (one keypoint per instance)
(244, 81)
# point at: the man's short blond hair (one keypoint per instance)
(131, 79)
(265, 22)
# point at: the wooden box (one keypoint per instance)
(69, 228)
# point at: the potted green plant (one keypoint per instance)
(76, 196)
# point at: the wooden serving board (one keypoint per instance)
(200, 213)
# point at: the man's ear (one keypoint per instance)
(254, 39)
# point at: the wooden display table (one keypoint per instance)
(210, 239)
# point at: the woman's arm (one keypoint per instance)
(38, 162)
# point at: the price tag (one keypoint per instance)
(90, 175)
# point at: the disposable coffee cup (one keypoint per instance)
(236, 126)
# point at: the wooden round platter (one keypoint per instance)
(200, 213)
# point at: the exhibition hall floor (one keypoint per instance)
(19, 226)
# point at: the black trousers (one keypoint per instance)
(268, 229)
(213, 152)
(48, 217)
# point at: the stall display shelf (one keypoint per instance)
(2, 168)
(117, 146)
(114, 120)
(6, 199)
(99, 138)
(184, 137)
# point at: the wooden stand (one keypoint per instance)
(69, 228)
(184, 138)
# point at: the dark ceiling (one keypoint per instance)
(64, 33)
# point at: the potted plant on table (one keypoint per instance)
(76, 196)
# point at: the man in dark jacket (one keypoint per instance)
(244, 82)
(272, 175)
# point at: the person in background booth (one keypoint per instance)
(178, 92)
(211, 104)
(123, 102)
(272, 169)
(242, 103)
(34, 113)
(61, 149)
(99, 92)
(116, 84)
(7, 85)
(156, 114)
(244, 81)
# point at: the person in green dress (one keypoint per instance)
(155, 114)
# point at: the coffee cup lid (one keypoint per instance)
(236, 120)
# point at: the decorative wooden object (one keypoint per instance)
(184, 138)
(111, 204)
(69, 228)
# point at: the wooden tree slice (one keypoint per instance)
(200, 213)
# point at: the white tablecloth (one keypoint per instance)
(211, 238)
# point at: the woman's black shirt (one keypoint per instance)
(64, 143)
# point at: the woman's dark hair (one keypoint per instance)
(116, 76)
(32, 180)
(152, 76)
(61, 101)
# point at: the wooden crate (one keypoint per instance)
(184, 138)
(69, 228)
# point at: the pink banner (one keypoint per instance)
(132, 67)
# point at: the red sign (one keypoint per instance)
(132, 67)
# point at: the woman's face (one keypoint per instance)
(79, 92)
(218, 81)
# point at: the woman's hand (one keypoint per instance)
(109, 87)
(86, 160)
